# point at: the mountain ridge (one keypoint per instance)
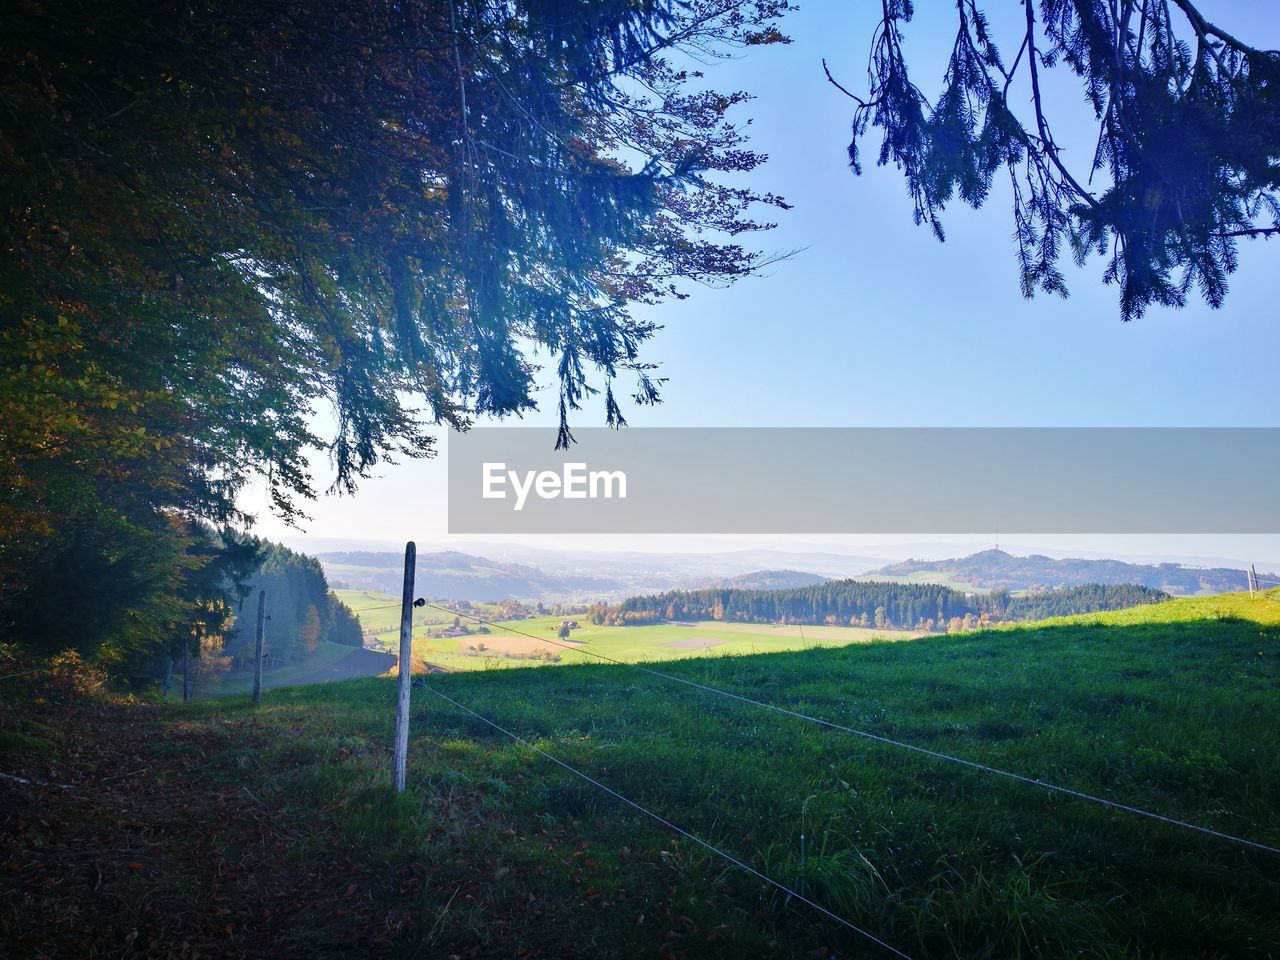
(995, 569)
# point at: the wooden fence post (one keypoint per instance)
(401, 755)
(257, 648)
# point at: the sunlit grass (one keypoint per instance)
(1172, 708)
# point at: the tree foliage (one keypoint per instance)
(1186, 160)
(1086, 598)
(216, 218)
(304, 612)
(125, 588)
(877, 603)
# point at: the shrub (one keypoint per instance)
(70, 679)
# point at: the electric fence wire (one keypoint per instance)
(1265, 592)
(385, 606)
(889, 741)
(728, 857)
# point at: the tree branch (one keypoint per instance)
(1046, 138)
(1252, 232)
(1204, 28)
(834, 83)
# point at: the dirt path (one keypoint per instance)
(358, 663)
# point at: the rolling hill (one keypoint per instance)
(995, 569)
(459, 576)
(770, 580)
(466, 576)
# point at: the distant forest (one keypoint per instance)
(878, 604)
(1086, 598)
(304, 612)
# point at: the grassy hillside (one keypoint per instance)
(667, 641)
(379, 613)
(500, 648)
(496, 852)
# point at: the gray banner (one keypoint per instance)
(866, 480)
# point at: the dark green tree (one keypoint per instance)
(298, 601)
(869, 602)
(216, 218)
(1187, 154)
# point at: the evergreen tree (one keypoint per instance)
(1183, 165)
(303, 611)
(217, 216)
(884, 604)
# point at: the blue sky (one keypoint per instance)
(875, 323)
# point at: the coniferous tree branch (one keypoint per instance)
(1187, 153)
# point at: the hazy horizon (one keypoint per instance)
(1191, 550)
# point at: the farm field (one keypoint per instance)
(495, 852)
(500, 648)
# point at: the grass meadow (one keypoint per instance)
(501, 648)
(1171, 708)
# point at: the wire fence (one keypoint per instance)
(889, 741)
(1256, 584)
(738, 863)
(24, 673)
(724, 855)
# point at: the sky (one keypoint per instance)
(874, 323)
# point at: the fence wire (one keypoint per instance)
(889, 741)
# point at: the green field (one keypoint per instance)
(379, 613)
(507, 644)
(1172, 708)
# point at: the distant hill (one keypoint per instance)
(771, 580)
(464, 576)
(457, 576)
(995, 569)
